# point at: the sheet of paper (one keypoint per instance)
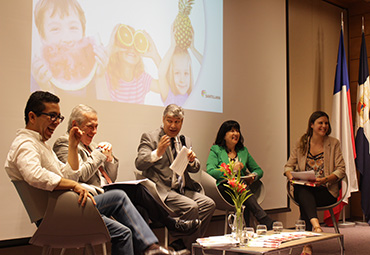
(181, 161)
(132, 182)
(304, 175)
(247, 176)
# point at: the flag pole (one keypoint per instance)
(344, 224)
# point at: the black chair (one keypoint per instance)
(290, 190)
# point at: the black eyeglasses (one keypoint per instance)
(53, 116)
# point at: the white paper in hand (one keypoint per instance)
(181, 161)
(304, 175)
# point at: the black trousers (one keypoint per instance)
(309, 198)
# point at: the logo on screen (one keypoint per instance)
(204, 94)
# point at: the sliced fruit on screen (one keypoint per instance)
(71, 64)
(125, 35)
(141, 42)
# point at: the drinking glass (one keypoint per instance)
(277, 226)
(244, 238)
(250, 232)
(247, 234)
(300, 226)
(261, 230)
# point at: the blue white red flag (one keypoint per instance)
(341, 122)
(363, 130)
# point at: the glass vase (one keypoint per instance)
(237, 223)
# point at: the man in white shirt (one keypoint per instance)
(32, 160)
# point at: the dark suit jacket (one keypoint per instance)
(159, 171)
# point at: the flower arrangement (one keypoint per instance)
(238, 193)
(239, 189)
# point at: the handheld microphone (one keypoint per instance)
(182, 140)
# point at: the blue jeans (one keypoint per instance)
(129, 233)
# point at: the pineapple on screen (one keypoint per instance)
(182, 26)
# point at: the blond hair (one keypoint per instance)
(170, 74)
(116, 64)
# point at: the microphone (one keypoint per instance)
(182, 140)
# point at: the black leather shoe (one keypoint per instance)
(163, 251)
(187, 226)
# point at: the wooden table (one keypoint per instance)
(198, 249)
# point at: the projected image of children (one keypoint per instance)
(175, 72)
(68, 60)
(127, 80)
(138, 52)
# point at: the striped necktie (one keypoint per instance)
(101, 169)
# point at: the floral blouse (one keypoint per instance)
(315, 163)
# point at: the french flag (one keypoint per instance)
(341, 122)
(363, 130)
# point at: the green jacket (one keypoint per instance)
(218, 155)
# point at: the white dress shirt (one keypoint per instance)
(32, 160)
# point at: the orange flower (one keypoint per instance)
(238, 190)
(226, 167)
(241, 187)
(232, 182)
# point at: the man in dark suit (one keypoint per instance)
(156, 152)
(99, 166)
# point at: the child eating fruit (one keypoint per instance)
(69, 61)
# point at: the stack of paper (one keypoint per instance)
(217, 241)
(274, 241)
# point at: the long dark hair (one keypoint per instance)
(304, 139)
(226, 127)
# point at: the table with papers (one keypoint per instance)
(220, 244)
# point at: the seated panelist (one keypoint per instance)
(316, 151)
(156, 152)
(30, 159)
(99, 166)
(228, 147)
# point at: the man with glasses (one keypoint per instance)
(30, 159)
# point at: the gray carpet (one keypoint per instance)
(356, 242)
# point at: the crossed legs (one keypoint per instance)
(129, 232)
(192, 205)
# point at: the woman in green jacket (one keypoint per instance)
(228, 147)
